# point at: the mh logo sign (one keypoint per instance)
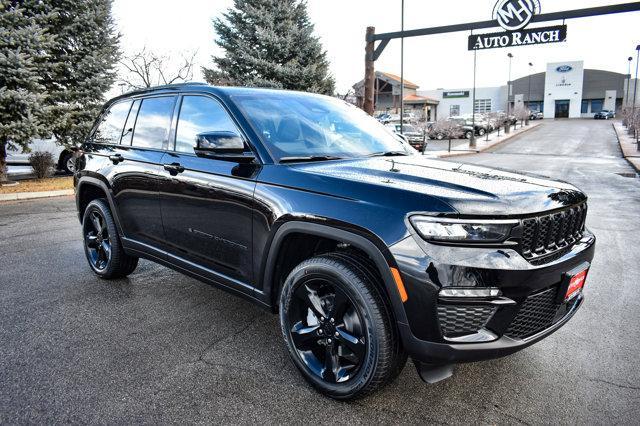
(515, 14)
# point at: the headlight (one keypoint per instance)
(462, 230)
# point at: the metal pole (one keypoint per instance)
(509, 85)
(402, 69)
(635, 84)
(629, 59)
(472, 141)
(369, 72)
(529, 93)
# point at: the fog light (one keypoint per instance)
(470, 292)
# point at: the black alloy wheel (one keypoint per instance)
(340, 333)
(102, 245)
(327, 330)
(96, 237)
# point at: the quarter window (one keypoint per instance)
(110, 128)
(199, 114)
(153, 122)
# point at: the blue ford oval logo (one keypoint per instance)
(564, 68)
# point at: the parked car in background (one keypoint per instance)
(536, 115)
(469, 126)
(414, 135)
(64, 157)
(605, 114)
(384, 118)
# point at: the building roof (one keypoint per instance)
(396, 78)
(416, 99)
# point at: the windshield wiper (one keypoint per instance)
(309, 158)
(388, 154)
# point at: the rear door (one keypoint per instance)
(135, 175)
(207, 204)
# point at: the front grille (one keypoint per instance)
(463, 319)
(536, 313)
(544, 236)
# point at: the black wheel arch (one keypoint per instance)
(87, 189)
(377, 252)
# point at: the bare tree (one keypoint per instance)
(521, 113)
(147, 69)
(446, 129)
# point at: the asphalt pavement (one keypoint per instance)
(159, 347)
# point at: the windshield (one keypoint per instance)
(303, 125)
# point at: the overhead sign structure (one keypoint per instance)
(541, 35)
(514, 16)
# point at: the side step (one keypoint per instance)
(431, 373)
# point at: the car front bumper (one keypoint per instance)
(445, 331)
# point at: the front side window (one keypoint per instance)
(110, 128)
(199, 114)
(296, 124)
(153, 122)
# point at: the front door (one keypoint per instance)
(206, 203)
(562, 109)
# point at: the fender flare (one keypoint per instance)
(88, 180)
(359, 241)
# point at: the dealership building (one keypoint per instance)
(564, 90)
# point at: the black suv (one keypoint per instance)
(308, 207)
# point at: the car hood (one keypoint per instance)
(469, 189)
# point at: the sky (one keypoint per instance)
(438, 61)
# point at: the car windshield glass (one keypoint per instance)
(297, 124)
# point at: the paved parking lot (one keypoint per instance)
(160, 347)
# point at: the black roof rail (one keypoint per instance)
(174, 86)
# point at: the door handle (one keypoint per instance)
(116, 158)
(174, 168)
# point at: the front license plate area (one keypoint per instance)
(573, 282)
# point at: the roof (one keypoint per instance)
(420, 99)
(396, 78)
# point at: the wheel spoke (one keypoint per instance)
(95, 219)
(313, 301)
(329, 372)
(353, 343)
(91, 241)
(106, 248)
(304, 338)
(339, 306)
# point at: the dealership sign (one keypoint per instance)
(456, 94)
(514, 16)
(542, 35)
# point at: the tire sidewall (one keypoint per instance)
(367, 369)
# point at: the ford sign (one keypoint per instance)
(564, 68)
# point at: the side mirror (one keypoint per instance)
(222, 145)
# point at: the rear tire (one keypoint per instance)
(102, 245)
(68, 163)
(356, 353)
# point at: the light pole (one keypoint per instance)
(472, 140)
(510, 56)
(529, 92)
(402, 70)
(635, 83)
(629, 59)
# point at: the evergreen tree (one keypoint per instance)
(80, 64)
(270, 43)
(21, 46)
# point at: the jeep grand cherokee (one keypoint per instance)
(305, 205)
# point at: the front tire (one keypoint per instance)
(337, 328)
(102, 245)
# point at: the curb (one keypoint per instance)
(31, 195)
(631, 162)
(486, 148)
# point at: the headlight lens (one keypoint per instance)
(462, 230)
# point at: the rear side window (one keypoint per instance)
(110, 128)
(153, 122)
(199, 114)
